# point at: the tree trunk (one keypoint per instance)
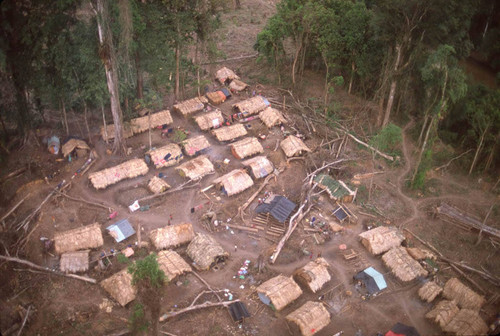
(326, 86)
(426, 119)
(421, 152)
(140, 77)
(478, 150)
(177, 64)
(64, 119)
(491, 156)
(105, 126)
(353, 69)
(197, 64)
(85, 109)
(297, 53)
(392, 91)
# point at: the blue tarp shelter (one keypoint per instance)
(373, 280)
(121, 230)
(280, 208)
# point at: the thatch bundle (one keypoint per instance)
(216, 98)
(71, 144)
(196, 168)
(157, 185)
(251, 106)
(443, 312)
(166, 156)
(279, 291)
(86, 237)
(402, 265)
(109, 176)
(429, 291)
(193, 146)
(230, 132)
(234, 182)
(467, 322)
(311, 317)
(190, 106)
(225, 75)
(237, 85)
(172, 264)
(142, 124)
(109, 132)
(271, 117)
(209, 120)
(171, 236)
(260, 166)
(120, 287)
(205, 251)
(420, 254)
(313, 275)
(293, 146)
(246, 147)
(381, 239)
(462, 295)
(73, 262)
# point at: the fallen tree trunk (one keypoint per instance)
(110, 209)
(14, 208)
(240, 227)
(242, 208)
(207, 304)
(385, 156)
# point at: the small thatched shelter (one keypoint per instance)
(142, 124)
(443, 312)
(271, 117)
(237, 85)
(336, 189)
(209, 120)
(120, 287)
(86, 237)
(166, 156)
(279, 291)
(172, 264)
(246, 147)
(402, 265)
(157, 185)
(429, 291)
(225, 75)
(126, 170)
(293, 146)
(234, 182)
(467, 322)
(205, 251)
(310, 318)
(73, 262)
(313, 275)
(230, 132)
(108, 133)
(73, 144)
(196, 168)
(260, 166)
(191, 106)
(381, 239)
(462, 295)
(250, 106)
(216, 97)
(196, 145)
(171, 236)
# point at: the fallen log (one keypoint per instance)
(14, 208)
(207, 304)
(240, 227)
(110, 209)
(385, 156)
(242, 208)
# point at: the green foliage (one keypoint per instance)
(388, 139)
(179, 136)
(122, 259)
(147, 271)
(419, 182)
(137, 322)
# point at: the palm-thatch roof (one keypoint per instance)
(157, 185)
(279, 291)
(251, 106)
(205, 251)
(230, 132)
(293, 146)
(196, 168)
(108, 133)
(467, 322)
(126, 170)
(71, 144)
(237, 85)
(336, 189)
(225, 75)
(86, 237)
(234, 182)
(246, 147)
(209, 120)
(381, 239)
(120, 287)
(429, 291)
(172, 264)
(443, 312)
(420, 253)
(166, 156)
(216, 97)
(260, 166)
(190, 106)
(73, 262)
(171, 235)
(142, 124)
(313, 275)
(402, 265)
(462, 295)
(310, 318)
(271, 117)
(193, 146)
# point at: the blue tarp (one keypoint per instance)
(121, 230)
(373, 280)
(280, 208)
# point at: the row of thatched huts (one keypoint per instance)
(138, 125)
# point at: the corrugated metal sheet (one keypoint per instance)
(121, 230)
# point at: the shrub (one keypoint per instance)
(388, 139)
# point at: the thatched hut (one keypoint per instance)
(429, 291)
(293, 146)
(86, 237)
(260, 166)
(191, 106)
(246, 147)
(271, 117)
(381, 239)
(73, 262)
(196, 168)
(165, 156)
(225, 75)
(229, 132)
(172, 264)
(234, 182)
(310, 318)
(462, 295)
(443, 312)
(279, 291)
(72, 144)
(250, 106)
(196, 145)
(108, 133)
(336, 189)
(420, 253)
(142, 124)
(402, 265)
(216, 97)
(158, 185)
(209, 120)
(205, 251)
(237, 85)
(120, 287)
(467, 322)
(171, 235)
(313, 275)
(126, 170)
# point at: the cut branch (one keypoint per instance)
(200, 306)
(385, 156)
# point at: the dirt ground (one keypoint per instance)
(70, 307)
